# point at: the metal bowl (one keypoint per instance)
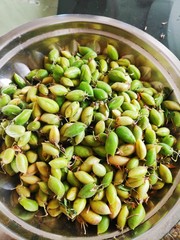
(23, 48)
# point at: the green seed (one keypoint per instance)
(129, 113)
(34, 126)
(50, 149)
(176, 119)
(84, 177)
(105, 86)
(115, 208)
(87, 115)
(72, 72)
(53, 55)
(100, 94)
(50, 118)
(111, 143)
(155, 117)
(4, 100)
(90, 55)
(8, 155)
(56, 186)
(15, 131)
(59, 162)
(150, 136)
(135, 85)
(117, 76)
(112, 52)
(72, 179)
(85, 73)
(88, 190)
(133, 72)
(136, 216)
(76, 95)
(21, 162)
(137, 132)
(169, 140)
(89, 163)
(48, 105)
(141, 150)
(79, 205)
(151, 156)
(148, 99)
(64, 62)
(24, 139)
(58, 90)
(99, 170)
(40, 74)
(86, 87)
(163, 131)
(103, 66)
(133, 163)
(171, 105)
(92, 65)
(137, 172)
(23, 117)
(126, 150)
(166, 150)
(99, 127)
(124, 121)
(11, 110)
(9, 90)
(165, 173)
(143, 123)
(100, 207)
(125, 134)
(83, 151)
(111, 194)
(57, 72)
(74, 129)
(122, 217)
(28, 204)
(103, 225)
(107, 179)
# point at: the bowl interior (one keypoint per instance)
(24, 49)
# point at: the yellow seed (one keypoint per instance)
(72, 193)
(118, 160)
(30, 179)
(43, 168)
(100, 207)
(54, 135)
(79, 205)
(84, 177)
(90, 217)
(122, 217)
(141, 150)
(115, 208)
(111, 194)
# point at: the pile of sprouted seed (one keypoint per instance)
(88, 136)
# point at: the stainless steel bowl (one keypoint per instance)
(23, 48)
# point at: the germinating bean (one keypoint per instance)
(90, 136)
